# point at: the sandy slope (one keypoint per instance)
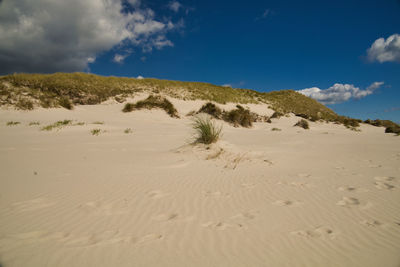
(323, 197)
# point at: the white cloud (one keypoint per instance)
(227, 85)
(264, 15)
(140, 77)
(385, 50)
(49, 36)
(339, 92)
(119, 58)
(174, 6)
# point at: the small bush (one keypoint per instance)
(392, 129)
(303, 124)
(65, 103)
(276, 129)
(239, 116)
(32, 123)
(206, 130)
(128, 130)
(153, 102)
(95, 132)
(276, 115)
(58, 125)
(211, 109)
(12, 123)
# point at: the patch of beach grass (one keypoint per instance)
(57, 125)
(128, 131)
(206, 130)
(34, 123)
(303, 124)
(95, 132)
(276, 129)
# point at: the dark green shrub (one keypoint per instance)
(303, 124)
(24, 104)
(392, 129)
(276, 115)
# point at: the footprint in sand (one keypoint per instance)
(304, 175)
(248, 186)
(348, 201)
(215, 194)
(317, 232)
(352, 189)
(156, 194)
(383, 185)
(222, 225)
(247, 215)
(100, 208)
(32, 205)
(169, 217)
(371, 223)
(287, 203)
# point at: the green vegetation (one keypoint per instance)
(276, 129)
(128, 130)
(206, 130)
(276, 115)
(98, 122)
(390, 126)
(153, 101)
(239, 116)
(12, 123)
(57, 125)
(32, 123)
(24, 104)
(303, 124)
(95, 132)
(211, 109)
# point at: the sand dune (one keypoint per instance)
(326, 196)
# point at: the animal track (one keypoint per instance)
(33, 204)
(348, 201)
(171, 217)
(319, 232)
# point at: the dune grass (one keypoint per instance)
(276, 129)
(33, 123)
(128, 131)
(153, 101)
(207, 132)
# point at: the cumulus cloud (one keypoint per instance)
(174, 6)
(339, 93)
(49, 36)
(227, 85)
(140, 77)
(385, 50)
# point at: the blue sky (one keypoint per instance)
(261, 45)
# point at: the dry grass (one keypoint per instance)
(12, 123)
(303, 124)
(57, 125)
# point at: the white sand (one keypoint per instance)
(326, 196)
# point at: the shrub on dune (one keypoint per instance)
(303, 124)
(153, 102)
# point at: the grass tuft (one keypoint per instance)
(32, 123)
(128, 131)
(56, 125)
(98, 122)
(239, 116)
(65, 103)
(12, 123)
(207, 131)
(303, 124)
(276, 129)
(211, 109)
(95, 132)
